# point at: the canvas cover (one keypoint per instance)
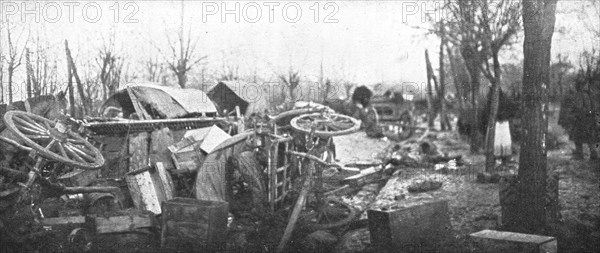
(162, 102)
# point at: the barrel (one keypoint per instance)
(194, 225)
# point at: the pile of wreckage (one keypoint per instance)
(155, 139)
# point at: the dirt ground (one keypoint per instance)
(474, 206)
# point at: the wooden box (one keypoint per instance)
(194, 224)
(502, 242)
(416, 227)
(189, 159)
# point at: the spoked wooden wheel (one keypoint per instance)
(285, 117)
(329, 214)
(53, 141)
(325, 124)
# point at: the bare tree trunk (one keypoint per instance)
(458, 78)
(539, 18)
(29, 73)
(444, 122)
(70, 80)
(9, 84)
(73, 68)
(181, 79)
(430, 106)
(474, 83)
(490, 158)
(1, 77)
(560, 76)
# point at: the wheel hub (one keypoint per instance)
(58, 132)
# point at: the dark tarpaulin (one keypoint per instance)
(250, 97)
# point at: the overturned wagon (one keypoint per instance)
(395, 111)
(137, 127)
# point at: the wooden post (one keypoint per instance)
(139, 181)
(73, 69)
(430, 102)
(139, 109)
(70, 80)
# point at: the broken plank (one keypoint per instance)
(125, 223)
(165, 181)
(143, 192)
(364, 177)
(160, 140)
(62, 220)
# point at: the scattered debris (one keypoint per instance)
(424, 185)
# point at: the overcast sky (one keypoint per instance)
(360, 41)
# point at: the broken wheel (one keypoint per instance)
(325, 124)
(329, 214)
(53, 140)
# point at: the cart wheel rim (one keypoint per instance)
(325, 124)
(52, 141)
(332, 213)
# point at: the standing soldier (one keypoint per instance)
(583, 127)
(595, 99)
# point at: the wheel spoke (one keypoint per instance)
(73, 154)
(81, 153)
(37, 137)
(62, 150)
(47, 125)
(76, 137)
(49, 146)
(76, 141)
(24, 123)
(30, 130)
(82, 148)
(31, 121)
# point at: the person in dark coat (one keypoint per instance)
(582, 128)
(359, 107)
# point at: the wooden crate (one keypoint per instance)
(189, 160)
(126, 222)
(501, 241)
(194, 224)
(418, 227)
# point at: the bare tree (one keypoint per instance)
(327, 89)
(86, 102)
(229, 72)
(480, 29)
(291, 81)
(111, 67)
(430, 103)
(444, 122)
(500, 24)
(348, 88)
(15, 55)
(183, 56)
(538, 21)
(154, 69)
